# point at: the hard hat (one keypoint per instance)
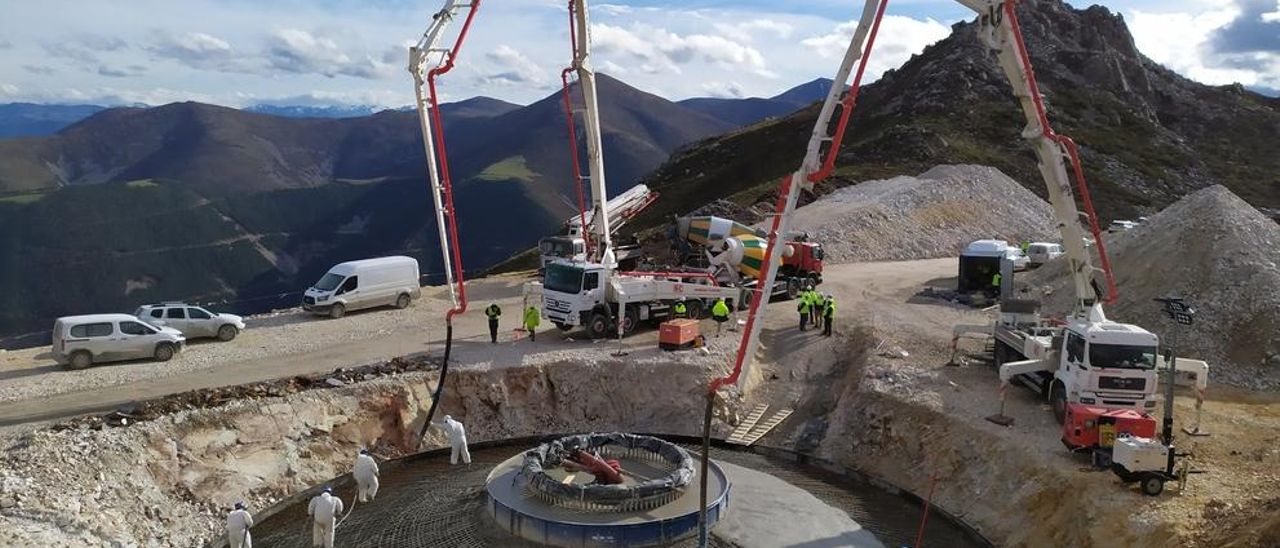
(448, 417)
(681, 299)
(328, 489)
(240, 506)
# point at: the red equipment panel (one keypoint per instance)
(1087, 426)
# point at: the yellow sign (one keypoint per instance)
(1106, 435)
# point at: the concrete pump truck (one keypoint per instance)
(1100, 373)
(594, 293)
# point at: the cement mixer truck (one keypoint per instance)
(734, 253)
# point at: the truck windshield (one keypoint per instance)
(329, 282)
(563, 278)
(1122, 356)
(556, 247)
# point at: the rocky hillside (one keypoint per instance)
(1147, 135)
(1220, 254)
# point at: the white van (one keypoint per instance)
(361, 284)
(1039, 253)
(81, 341)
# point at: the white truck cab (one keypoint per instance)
(588, 294)
(1094, 362)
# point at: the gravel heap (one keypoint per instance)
(1220, 254)
(934, 215)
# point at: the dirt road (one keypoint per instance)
(292, 343)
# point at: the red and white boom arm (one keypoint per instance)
(427, 60)
(602, 249)
(819, 161)
(998, 29)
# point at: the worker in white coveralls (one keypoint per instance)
(458, 439)
(366, 474)
(324, 511)
(238, 523)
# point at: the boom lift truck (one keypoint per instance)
(1086, 365)
(595, 293)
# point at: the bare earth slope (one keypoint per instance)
(934, 215)
(1222, 255)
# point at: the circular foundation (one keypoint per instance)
(582, 524)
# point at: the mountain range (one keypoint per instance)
(208, 203)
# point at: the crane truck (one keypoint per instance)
(573, 244)
(593, 292)
(1086, 365)
(735, 252)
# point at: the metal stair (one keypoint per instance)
(763, 428)
(740, 433)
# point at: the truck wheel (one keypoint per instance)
(598, 325)
(812, 281)
(1152, 485)
(227, 332)
(793, 288)
(164, 352)
(337, 311)
(80, 360)
(402, 301)
(630, 320)
(1058, 399)
(695, 307)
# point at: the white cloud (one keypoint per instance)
(660, 50)
(728, 90)
(9, 89)
(1181, 42)
(898, 39)
(744, 31)
(126, 71)
(513, 67)
(194, 49)
(298, 51)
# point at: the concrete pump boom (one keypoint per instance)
(421, 55)
(602, 247)
(998, 29)
(819, 161)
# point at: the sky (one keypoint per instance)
(354, 52)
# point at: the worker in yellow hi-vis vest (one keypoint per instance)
(720, 313)
(531, 321)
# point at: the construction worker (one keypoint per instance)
(457, 440)
(828, 314)
(720, 313)
(995, 283)
(816, 307)
(493, 311)
(1025, 246)
(680, 310)
(324, 510)
(366, 474)
(238, 523)
(803, 308)
(531, 321)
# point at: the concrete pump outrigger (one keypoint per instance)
(1129, 351)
